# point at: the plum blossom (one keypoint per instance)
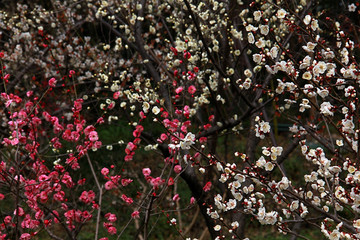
(105, 171)
(155, 110)
(261, 129)
(146, 172)
(52, 82)
(25, 236)
(111, 217)
(207, 187)
(307, 19)
(281, 13)
(93, 136)
(176, 198)
(192, 89)
(352, 7)
(177, 169)
(187, 141)
(135, 214)
(326, 109)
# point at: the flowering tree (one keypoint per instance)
(225, 97)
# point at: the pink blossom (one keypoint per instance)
(97, 144)
(93, 136)
(183, 128)
(52, 82)
(146, 172)
(179, 90)
(109, 185)
(105, 171)
(128, 158)
(116, 95)
(176, 197)
(14, 141)
(25, 236)
(29, 93)
(125, 181)
(163, 137)
(89, 129)
(39, 214)
(126, 199)
(100, 120)
(81, 181)
(110, 217)
(131, 146)
(59, 196)
(20, 212)
(66, 179)
(138, 130)
(7, 219)
(86, 215)
(43, 197)
(135, 214)
(177, 169)
(156, 182)
(87, 197)
(112, 230)
(192, 200)
(6, 77)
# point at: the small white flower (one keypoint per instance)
(265, 127)
(322, 92)
(357, 223)
(314, 25)
(305, 62)
(260, 43)
(307, 75)
(352, 7)
(187, 141)
(173, 221)
(257, 15)
(235, 224)
(217, 228)
(294, 205)
(156, 110)
(264, 29)
(251, 38)
(281, 13)
(257, 58)
(307, 19)
(325, 109)
(284, 183)
(309, 47)
(339, 143)
(146, 107)
(247, 83)
(269, 166)
(231, 204)
(274, 52)
(261, 162)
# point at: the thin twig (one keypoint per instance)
(100, 196)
